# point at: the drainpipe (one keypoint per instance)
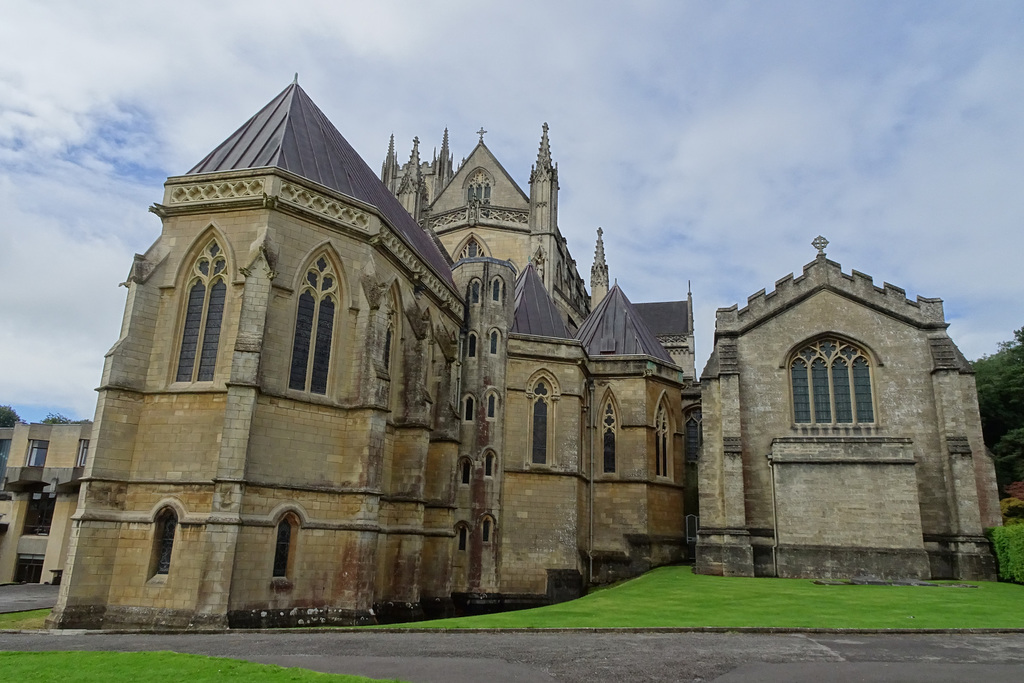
(775, 520)
(590, 551)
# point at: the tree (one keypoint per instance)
(1000, 379)
(59, 419)
(8, 416)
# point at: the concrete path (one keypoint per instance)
(581, 657)
(26, 596)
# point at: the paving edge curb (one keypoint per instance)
(639, 631)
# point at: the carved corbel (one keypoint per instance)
(419, 322)
(374, 290)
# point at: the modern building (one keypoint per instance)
(38, 495)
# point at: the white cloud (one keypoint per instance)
(711, 141)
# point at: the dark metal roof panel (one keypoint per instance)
(616, 328)
(536, 313)
(293, 134)
(665, 317)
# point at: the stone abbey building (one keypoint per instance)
(344, 398)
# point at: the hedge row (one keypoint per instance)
(1008, 542)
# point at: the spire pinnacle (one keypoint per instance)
(598, 273)
(295, 81)
(544, 154)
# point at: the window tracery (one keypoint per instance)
(478, 188)
(831, 383)
(204, 312)
(314, 328)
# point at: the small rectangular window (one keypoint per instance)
(39, 515)
(29, 569)
(37, 452)
(83, 452)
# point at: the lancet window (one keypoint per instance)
(608, 426)
(207, 289)
(314, 328)
(831, 382)
(166, 524)
(284, 545)
(541, 398)
(662, 441)
(694, 435)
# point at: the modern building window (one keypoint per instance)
(662, 442)
(608, 424)
(694, 436)
(471, 345)
(540, 423)
(83, 452)
(207, 289)
(5, 451)
(29, 568)
(284, 545)
(39, 514)
(465, 471)
(37, 452)
(314, 328)
(489, 465)
(166, 524)
(468, 415)
(831, 382)
(494, 341)
(496, 289)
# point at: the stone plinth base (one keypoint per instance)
(724, 552)
(833, 562)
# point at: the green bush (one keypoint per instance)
(1008, 542)
(1013, 511)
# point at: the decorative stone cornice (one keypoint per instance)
(219, 189)
(404, 255)
(325, 206)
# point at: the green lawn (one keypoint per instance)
(19, 620)
(676, 597)
(149, 667)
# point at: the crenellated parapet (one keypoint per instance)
(823, 274)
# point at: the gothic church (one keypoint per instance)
(339, 398)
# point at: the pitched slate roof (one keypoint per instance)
(665, 317)
(616, 328)
(293, 134)
(536, 313)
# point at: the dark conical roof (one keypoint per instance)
(536, 313)
(616, 328)
(292, 133)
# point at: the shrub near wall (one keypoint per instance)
(1008, 542)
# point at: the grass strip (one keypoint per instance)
(676, 597)
(31, 619)
(150, 667)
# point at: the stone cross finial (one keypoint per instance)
(481, 133)
(820, 243)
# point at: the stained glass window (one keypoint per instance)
(314, 328)
(820, 376)
(204, 312)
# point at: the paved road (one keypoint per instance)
(26, 596)
(588, 657)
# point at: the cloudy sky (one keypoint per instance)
(711, 140)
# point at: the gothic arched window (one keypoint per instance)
(694, 435)
(200, 335)
(496, 289)
(465, 470)
(540, 423)
(474, 292)
(492, 402)
(494, 341)
(662, 441)
(472, 249)
(314, 328)
(463, 533)
(166, 524)
(283, 546)
(479, 188)
(489, 464)
(469, 409)
(608, 424)
(831, 383)
(471, 345)
(485, 529)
